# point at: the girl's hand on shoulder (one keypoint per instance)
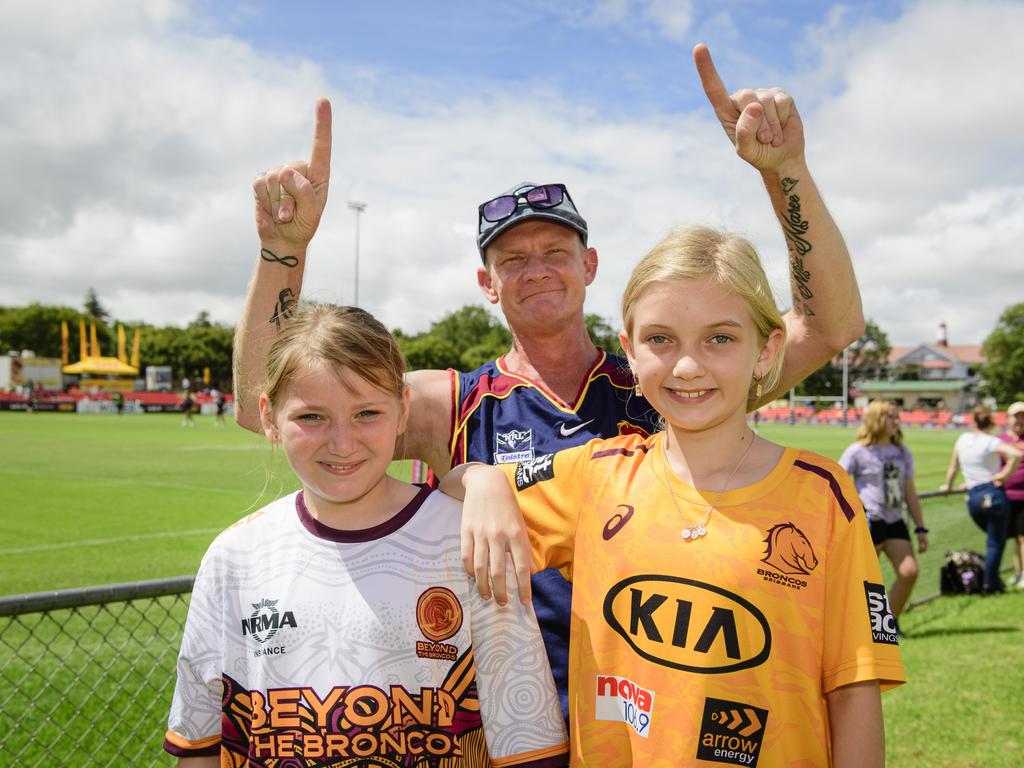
(492, 529)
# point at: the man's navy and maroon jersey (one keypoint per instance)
(502, 418)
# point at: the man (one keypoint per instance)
(554, 389)
(1014, 487)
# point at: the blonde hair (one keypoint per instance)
(340, 337)
(872, 428)
(693, 253)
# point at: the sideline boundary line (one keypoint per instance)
(104, 542)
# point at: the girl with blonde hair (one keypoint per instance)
(727, 602)
(335, 625)
(883, 472)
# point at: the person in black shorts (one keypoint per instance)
(883, 472)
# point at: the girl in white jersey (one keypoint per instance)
(742, 623)
(335, 625)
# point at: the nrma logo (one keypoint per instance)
(688, 625)
(266, 620)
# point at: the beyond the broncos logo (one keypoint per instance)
(266, 620)
(439, 616)
(438, 613)
(513, 446)
(788, 551)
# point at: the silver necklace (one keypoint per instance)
(695, 531)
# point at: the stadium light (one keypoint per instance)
(359, 208)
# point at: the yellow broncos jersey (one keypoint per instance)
(717, 651)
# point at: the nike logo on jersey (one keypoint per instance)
(570, 431)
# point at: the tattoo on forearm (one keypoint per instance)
(795, 228)
(288, 261)
(284, 308)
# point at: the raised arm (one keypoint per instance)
(289, 203)
(765, 128)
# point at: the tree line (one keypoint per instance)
(463, 339)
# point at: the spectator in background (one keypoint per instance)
(1014, 487)
(186, 410)
(978, 455)
(218, 400)
(883, 472)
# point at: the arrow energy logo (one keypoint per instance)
(731, 732)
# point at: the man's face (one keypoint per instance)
(538, 272)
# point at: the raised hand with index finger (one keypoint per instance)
(762, 124)
(290, 200)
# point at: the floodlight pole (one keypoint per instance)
(359, 208)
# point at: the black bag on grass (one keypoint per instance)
(962, 574)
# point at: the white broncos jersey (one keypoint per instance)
(309, 645)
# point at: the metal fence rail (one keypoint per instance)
(86, 675)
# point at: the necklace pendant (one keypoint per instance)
(693, 532)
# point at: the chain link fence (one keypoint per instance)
(86, 675)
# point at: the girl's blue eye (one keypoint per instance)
(657, 338)
(366, 414)
(309, 417)
(721, 338)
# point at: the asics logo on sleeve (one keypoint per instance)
(570, 431)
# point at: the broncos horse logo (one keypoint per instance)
(788, 550)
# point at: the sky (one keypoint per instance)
(131, 130)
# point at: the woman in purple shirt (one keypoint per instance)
(1014, 487)
(883, 472)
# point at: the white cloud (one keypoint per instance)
(917, 154)
(673, 17)
(130, 142)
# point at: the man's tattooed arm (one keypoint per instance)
(795, 228)
(284, 308)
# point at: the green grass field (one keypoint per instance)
(104, 499)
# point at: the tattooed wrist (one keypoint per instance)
(287, 261)
(795, 228)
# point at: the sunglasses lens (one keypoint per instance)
(547, 196)
(499, 208)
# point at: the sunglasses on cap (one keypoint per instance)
(550, 202)
(539, 198)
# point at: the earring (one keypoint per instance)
(636, 390)
(757, 389)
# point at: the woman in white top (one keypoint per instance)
(980, 456)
